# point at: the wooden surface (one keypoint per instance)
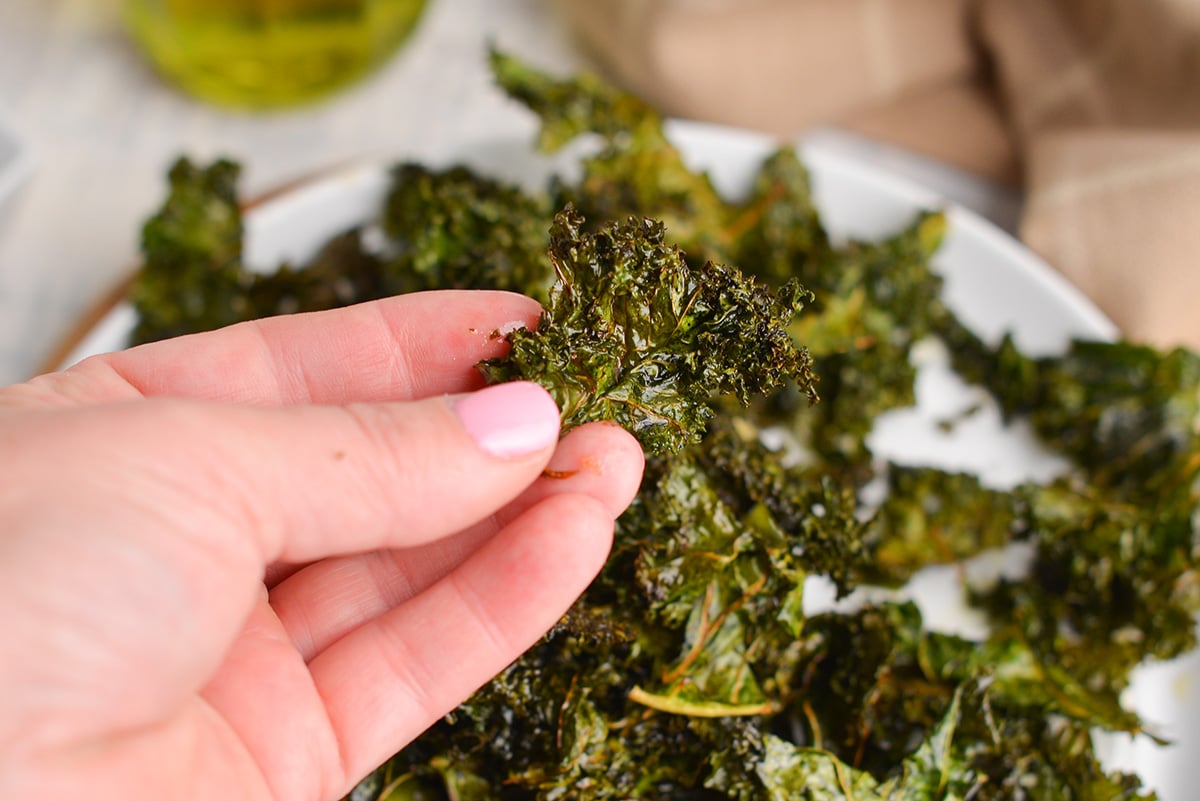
(104, 128)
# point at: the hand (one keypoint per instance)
(253, 564)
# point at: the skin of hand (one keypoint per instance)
(253, 564)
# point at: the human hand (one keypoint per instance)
(253, 564)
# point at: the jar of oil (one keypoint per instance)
(268, 53)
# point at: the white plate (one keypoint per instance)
(993, 282)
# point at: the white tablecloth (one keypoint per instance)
(104, 129)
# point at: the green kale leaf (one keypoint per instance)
(637, 170)
(890, 711)
(455, 229)
(1126, 413)
(931, 517)
(636, 335)
(191, 277)
(1112, 584)
(872, 303)
(777, 233)
(441, 229)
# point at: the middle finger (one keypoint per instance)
(323, 601)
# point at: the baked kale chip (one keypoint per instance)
(636, 335)
(456, 229)
(191, 277)
(1126, 413)
(439, 229)
(637, 170)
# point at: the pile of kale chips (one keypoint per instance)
(689, 669)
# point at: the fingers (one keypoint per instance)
(324, 601)
(390, 679)
(400, 348)
(262, 671)
(190, 500)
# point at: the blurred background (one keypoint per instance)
(103, 127)
(1071, 123)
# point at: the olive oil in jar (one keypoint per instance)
(268, 53)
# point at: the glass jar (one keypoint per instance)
(269, 53)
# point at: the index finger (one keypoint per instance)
(400, 348)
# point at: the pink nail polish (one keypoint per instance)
(510, 420)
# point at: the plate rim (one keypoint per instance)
(1052, 281)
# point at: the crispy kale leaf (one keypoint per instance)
(725, 537)
(873, 303)
(658, 683)
(569, 107)
(975, 752)
(442, 229)
(637, 170)
(1114, 576)
(191, 277)
(1126, 413)
(344, 271)
(1113, 584)
(454, 229)
(873, 300)
(932, 516)
(894, 712)
(776, 233)
(634, 334)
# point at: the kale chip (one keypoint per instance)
(191, 277)
(636, 335)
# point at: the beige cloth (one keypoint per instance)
(1092, 105)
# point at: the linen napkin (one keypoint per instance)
(1093, 106)
(1103, 96)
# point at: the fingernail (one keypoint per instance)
(509, 420)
